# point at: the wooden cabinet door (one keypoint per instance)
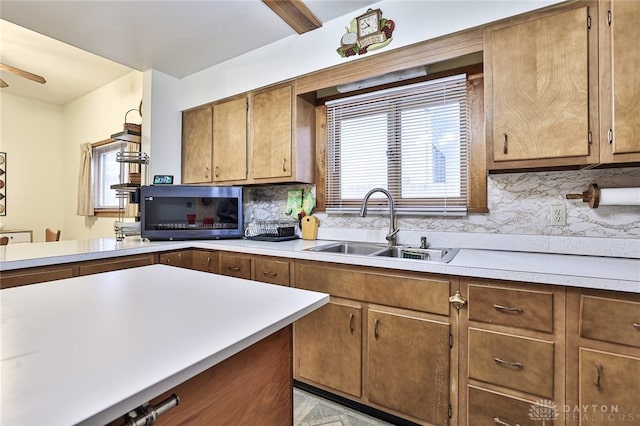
(611, 383)
(271, 147)
(408, 365)
(620, 81)
(230, 140)
(196, 145)
(204, 260)
(328, 347)
(182, 259)
(538, 99)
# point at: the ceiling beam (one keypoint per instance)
(23, 73)
(295, 13)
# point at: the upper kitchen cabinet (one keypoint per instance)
(196, 145)
(541, 89)
(282, 137)
(619, 81)
(230, 140)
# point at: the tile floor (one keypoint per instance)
(310, 410)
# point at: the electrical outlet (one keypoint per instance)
(558, 215)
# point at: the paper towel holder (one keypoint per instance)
(591, 196)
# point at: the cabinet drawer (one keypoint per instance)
(515, 362)
(272, 271)
(235, 266)
(516, 308)
(487, 408)
(203, 260)
(180, 259)
(612, 320)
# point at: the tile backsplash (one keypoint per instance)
(519, 204)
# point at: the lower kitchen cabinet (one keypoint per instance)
(384, 341)
(512, 353)
(408, 364)
(603, 358)
(328, 347)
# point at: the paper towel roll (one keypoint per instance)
(620, 196)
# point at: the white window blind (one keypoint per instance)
(411, 140)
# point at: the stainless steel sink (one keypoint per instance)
(347, 247)
(436, 254)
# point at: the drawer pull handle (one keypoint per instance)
(505, 144)
(233, 268)
(269, 274)
(508, 363)
(497, 421)
(502, 308)
(375, 329)
(598, 375)
(636, 325)
(351, 324)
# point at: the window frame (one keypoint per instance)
(104, 211)
(476, 169)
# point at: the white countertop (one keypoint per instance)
(86, 350)
(599, 272)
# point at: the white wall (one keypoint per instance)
(301, 54)
(32, 136)
(93, 118)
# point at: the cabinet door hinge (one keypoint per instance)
(450, 341)
(609, 17)
(450, 411)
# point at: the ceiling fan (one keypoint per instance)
(21, 73)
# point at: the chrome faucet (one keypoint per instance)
(391, 236)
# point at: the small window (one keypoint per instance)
(411, 140)
(106, 172)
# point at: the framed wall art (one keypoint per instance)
(3, 183)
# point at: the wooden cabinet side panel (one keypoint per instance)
(252, 387)
(230, 140)
(197, 145)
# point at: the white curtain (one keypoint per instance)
(85, 186)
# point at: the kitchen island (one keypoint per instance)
(88, 350)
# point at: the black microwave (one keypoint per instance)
(183, 212)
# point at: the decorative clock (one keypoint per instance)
(369, 31)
